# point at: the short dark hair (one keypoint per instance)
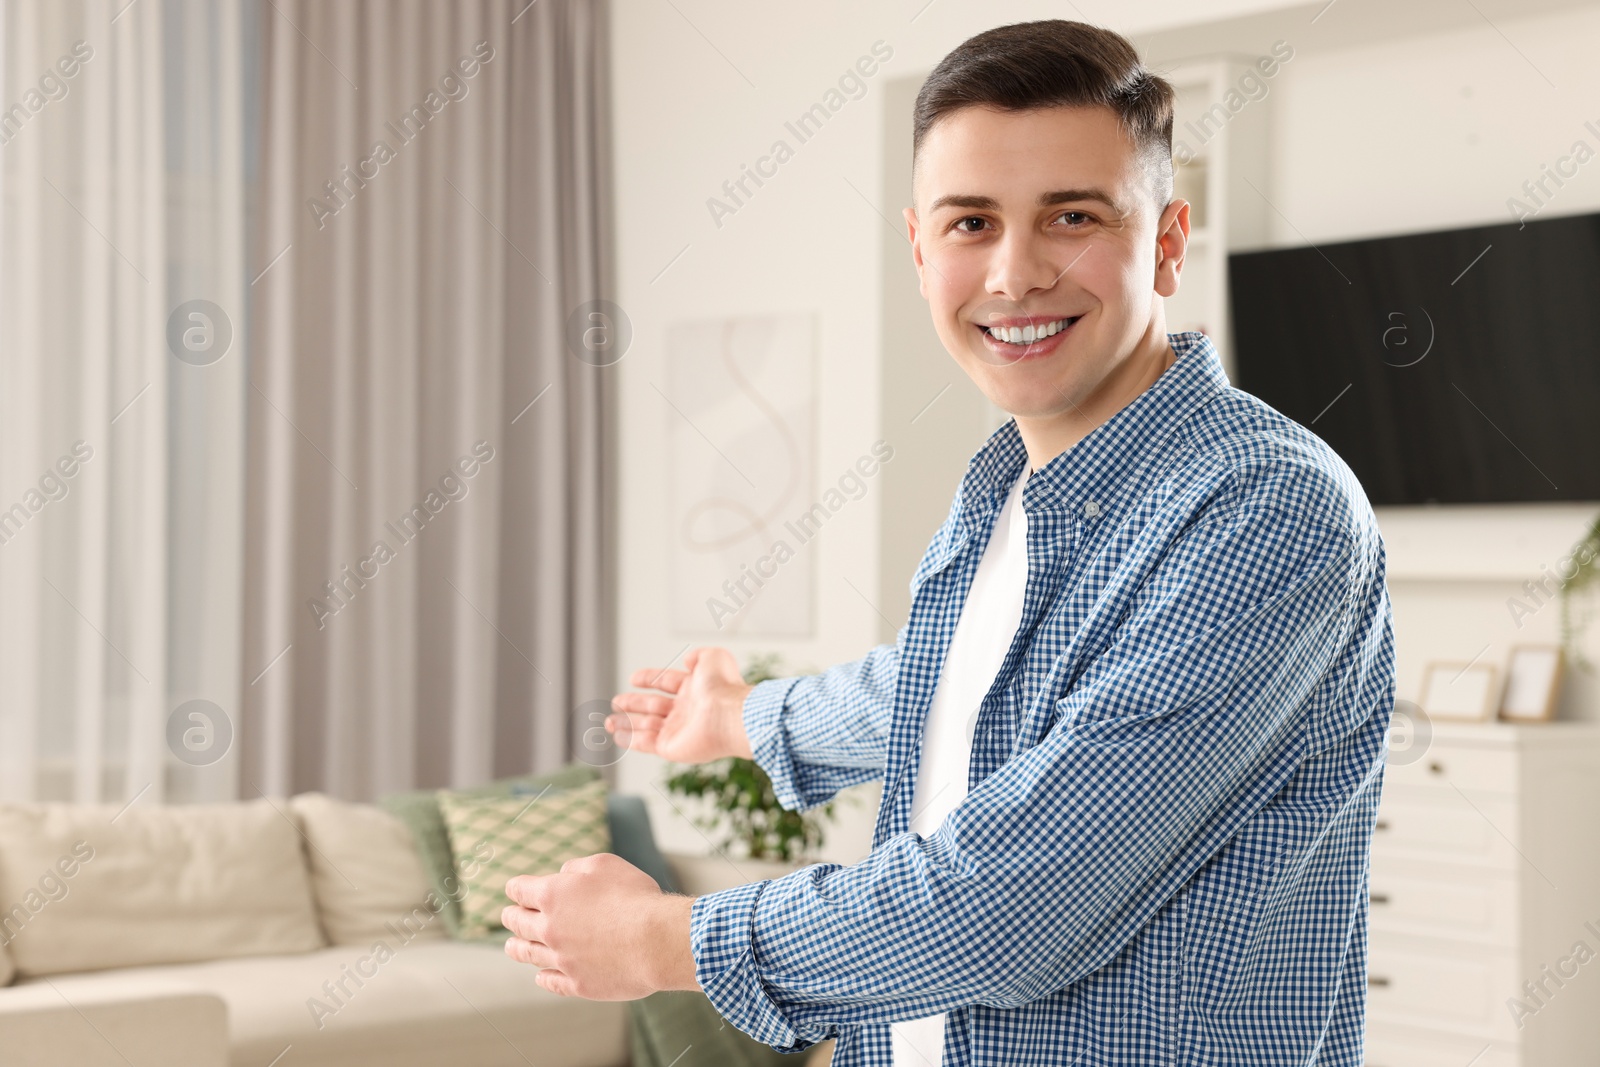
(1055, 63)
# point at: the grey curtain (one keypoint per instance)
(428, 570)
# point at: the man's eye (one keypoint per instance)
(1084, 217)
(961, 223)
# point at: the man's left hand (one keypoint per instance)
(601, 929)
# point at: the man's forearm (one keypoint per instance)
(817, 734)
(737, 741)
(674, 959)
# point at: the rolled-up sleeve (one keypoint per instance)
(1054, 862)
(817, 734)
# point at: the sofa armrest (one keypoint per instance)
(44, 1025)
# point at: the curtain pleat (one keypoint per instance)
(408, 624)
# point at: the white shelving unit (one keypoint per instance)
(1220, 165)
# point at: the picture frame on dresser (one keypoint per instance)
(1534, 674)
(1460, 691)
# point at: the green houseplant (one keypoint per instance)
(746, 819)
(1586, 556)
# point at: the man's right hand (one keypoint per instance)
(702, 719)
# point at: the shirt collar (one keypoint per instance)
(1084, 478)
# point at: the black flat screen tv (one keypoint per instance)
(1453, 367)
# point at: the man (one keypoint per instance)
(1132, 734)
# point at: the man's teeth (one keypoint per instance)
(1026, 335)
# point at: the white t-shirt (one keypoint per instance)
(989, 619)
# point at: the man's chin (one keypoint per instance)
(1032, 406)
(1021, 394)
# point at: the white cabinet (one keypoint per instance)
(1484, 926)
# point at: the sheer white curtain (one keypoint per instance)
(120, 462)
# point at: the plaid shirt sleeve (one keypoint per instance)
(821, 733)
(1054, 862)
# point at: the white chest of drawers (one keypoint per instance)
(1485, 895)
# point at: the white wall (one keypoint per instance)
(1429, 131)
(1433, 132)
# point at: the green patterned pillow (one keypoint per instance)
(420, 811)
(495, 838)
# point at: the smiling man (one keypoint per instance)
(1132, 734)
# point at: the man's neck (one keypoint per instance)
(1046, 439)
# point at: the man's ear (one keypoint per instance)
(1172, 241)
(914, 236)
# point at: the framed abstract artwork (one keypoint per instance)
(740, 416)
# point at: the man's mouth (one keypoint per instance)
(1026, 335)
(1018, 338)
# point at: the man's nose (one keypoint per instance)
(1022, 264)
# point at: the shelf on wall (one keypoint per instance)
(1222, 171)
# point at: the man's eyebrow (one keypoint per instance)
(1050, 199)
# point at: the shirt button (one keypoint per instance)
(1091, 509)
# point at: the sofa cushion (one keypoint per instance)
(420, 811)
(366, 873)
(423, 1004)
(494, 839)
(151, 884)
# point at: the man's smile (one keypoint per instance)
(1029, 337)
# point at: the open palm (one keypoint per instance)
(695, 715)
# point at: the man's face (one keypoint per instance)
(1009, 228)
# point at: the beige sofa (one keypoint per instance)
(249, 934)
(293, 933)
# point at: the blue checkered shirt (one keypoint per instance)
(1163, 855)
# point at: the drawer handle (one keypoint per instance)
(1377, 981)
(1381, 824)
(1380, 898)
